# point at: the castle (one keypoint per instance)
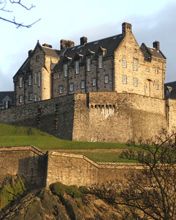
(107, 90)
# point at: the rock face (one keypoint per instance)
(51, 204)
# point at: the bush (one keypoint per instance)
(59, 189)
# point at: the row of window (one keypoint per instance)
(88, 65)
(82, 84)
(31, 97)
(37, 80)
(136, 82)
(136, 65)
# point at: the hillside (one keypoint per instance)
(26, 136)
(60, 202)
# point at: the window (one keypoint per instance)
(71, 87)
(124, 63)
(35, 78)
(65, 70)
(20, 99)
(77, 67)
(106, 79)
(124, 79)
(30, 97)
(100, 61)
(20, 82)
(37, 58)
(30, 80)
(156, 85)
(135, 82)
(61, 89)
(88, 64)
(82, 84)
(94, 82)
(135, 64)
(35, 98)
(39, 79)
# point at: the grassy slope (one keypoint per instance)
(23, 136)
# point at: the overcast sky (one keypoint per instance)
(152, 20)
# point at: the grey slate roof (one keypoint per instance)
(4, 94)
(151, 52)
(110, 44)
(170, 90)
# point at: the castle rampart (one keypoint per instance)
(98, 116)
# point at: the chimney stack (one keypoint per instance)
(83, 40)
(66, 44)
(126, 28)
(29, 53)
(156, 45)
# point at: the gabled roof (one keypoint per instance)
(5, 94)
(109, 44)
(170, 90)
(151, 52)
(46, 50)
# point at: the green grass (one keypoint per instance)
(25, 136)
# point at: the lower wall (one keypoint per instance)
(72, 169)
(24, 161)
(99, 116)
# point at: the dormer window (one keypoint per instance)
(77, 66)
(88, 64)
(65, 67)
(100, 61)
(20, 82)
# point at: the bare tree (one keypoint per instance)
(151, 193)
(4, 8)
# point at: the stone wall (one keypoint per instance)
(72, 169)
(28, 162)
(96, 116)
(117, 117)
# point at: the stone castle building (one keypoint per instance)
(115, 64)
(107, 90)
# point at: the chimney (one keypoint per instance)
(29, 53)
(156, 45)
(66, 44)
(126, 28)
(47, 45)
(83, 40)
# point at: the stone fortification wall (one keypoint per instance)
(28, 162)
(72, 169)
(171, 106)
(54, 116)
(99, 116)
(117, 117)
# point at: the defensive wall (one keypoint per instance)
(24, 161)
(97, 116)
(45, 168)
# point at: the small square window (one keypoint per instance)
(37, 58)
(135, 82)
(61, 89)
(94, 82)
(124, 79)
(82, 84)
(106, 79)
(71, 87)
